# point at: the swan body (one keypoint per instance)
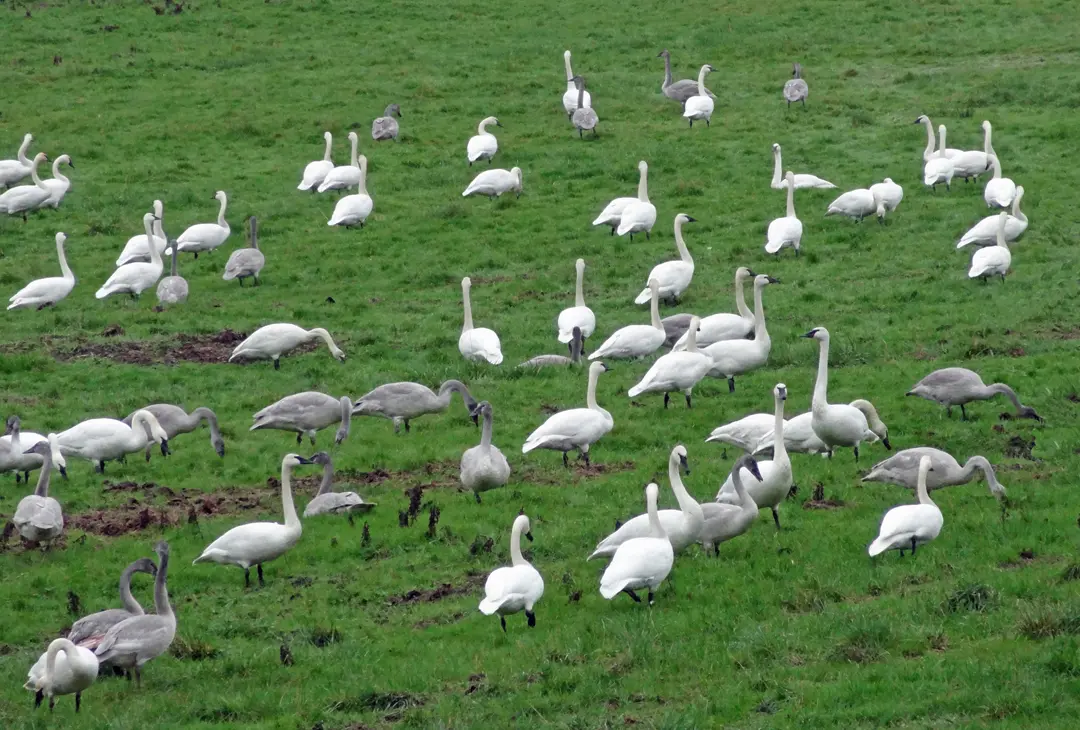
(673, 277)
(676, 371)
(172, 289)
(958, 386)
(835, 424)
(315, 172)
(984, 233)
(611, 215)
(640, 562)
(477, 343)
(701, 105)
(676, 326)
(795, 88)
(12, 171)
(639, 216)
(484, 467)
(542, 361)
(785, 232)
(175, 421)
(576, 429)
(680, 90)
(25, 198)
(802, 180)
(483, 145)
(726, 326)
(745, 433)
(583, 118)
(206, 236)
(403, 402)
(39, 518)
(105, 439)
(972, 163)
(636, 340)
(64, 669)
(40, 293)
(518, 587)
(271, 341)
(386, 127)
(90, 630)
(570, 96)
(939, 168)
(136, 277)
(343, 177)
(999, 191)
(799, 436)
(855, 204)
(902, 469)
(887, 196)
(910, 525)
(579, 315)
(354, 209)
(736, 357)
(307, 413)
(245, 263)
(328, 502)
(993, 260)
(493, 183)
(59, 184)
(15, 449)
(723, 521)
(137, 247)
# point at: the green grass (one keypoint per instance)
(796, 629)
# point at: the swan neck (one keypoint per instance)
(924, 496)
(1002, 389)
(352, 156)
(57, 646)
(468, 309)
(361, 185)
(779, 446)
(172, 266)
(740, 299)
(821, 384)
(979, 463)
(324, 336)
(64, 268)
(791, 199)
(777, 170)
(759, 315)
(581, 96)
(941, 141)
(130, 604)
(26, 161)
(654, 309)
(701, 82)
(516, 558)
(929, 152)
(643, 186)
(997, 166)
(161, 589)
(569, 72)
(691, 339)
(327, 479)
(34, 175)
(680, 244)
(485, 437)
(988, 148)
(590, 395)
(655, 528)
(42, 488)
(667, 71)
(291, 520)
(57, 174)
(326, 152)
(681, 495)
(346, 420)
(579, 293)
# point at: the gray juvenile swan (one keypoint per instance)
(584, 118)
(246, 262)
(90, 630)
(326, 501)
(172, 289)
(541, 361)
(959, 386)
(796, 89)
(386, 127)
(402, 402)
(307, 413)
(680, 90)
(902, 469)
(175, 421)
(38, 518)
(484, 467)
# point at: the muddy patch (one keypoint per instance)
(818, 501)
(471, 582)
(203, 348)
(393, 703)
(1020, 448)
(1024, 558)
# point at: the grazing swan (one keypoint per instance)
(12, 171)
(682, 526)
(483, 145)
(799, 436)
(939, 168)
(701, 105)
(929, 153)
(40, 293)
(570, 96)
(71, 673)
(726, 326)
(512, 589)
(787, 231)
(315, 172)
(271, 341)
(795, 88)
(307, 413)
(835, 424)
(133, 642)
(637, 340)
(38, 518)
(725, 521)
(260, 542)
(583, 118)
(909, 525)
(984, 233)
(802, 180)
(493, 183)
(402, 402)
(386, 127)
(484, 467)
(59, 184)
(175, 421)
(641, 561)
(959, 386)
(611, 215)
(902, 469)
(887, 195)
(15, 455)
(676, 371)
(90, 630)
(136, 277)
(137, 247)
(745, 433)
(672, 276)
(105, 439)
(328, 502)
(735, 357)
(477, 343)
(680, 90)
(774, 478)
(354, 209)
(676, 326)
(206, 236)
(343, 177)
(172, 289)
(993, 260)
(578, 315)
(24, 198)
(541, 361)
(855, 204)
(576, 429)
(999, 191)
(248, 262)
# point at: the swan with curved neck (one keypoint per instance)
(802, 180)
(272, 341)
(726, 326)
(612, 213)
(835, 424)
(637, 340)
(90, 630)
(483, 145)
(206, 236)
(136, 277)
(315, 172)
(518, 587)
(984, 233)
(958, 386)
(999, 191)
(478, 344)
(343, 177)
(736, 357)
(404, 401)
(902, 470)
(39, 518)
(12, 171)
(326, 501)
(484, 467)
(42, 293)
(910, 525)
(105, 439)
(680, 90)
(724, 521)
(676, 371)
(307, 413)
(176, 421)
(25, 198)
(63, 669)
(575, 429)
(674, 277)
(59, 184)
(701, 105)
(642, 562)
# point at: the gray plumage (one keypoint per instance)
(38, 518)
(680, 90)
(173, 289)
(584, 118)
(541, 361)
(402, 402)
(484, 466)
(796, 89)
(326, 501)
(307, 413)
(902, 469)
(675, 326)
(958, 386)
(175, 421)
(386, 127)
(90, 630)
(246, 262)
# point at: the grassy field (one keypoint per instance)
(784, 630)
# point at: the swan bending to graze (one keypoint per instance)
(326, 501)
(681, 526)
(636, 340)
(354, 209)
(175, 421)
(680, 90)
(38, 518)
(90, 630)
(24, 198)
(248, 262)
(799, 436)
(959, 386)
(493, 183)
(12, 171)
(999, 191)
(902, 469)
(583, 118)
(133, 642)
(612, 213)
(172, 289)
(675, 326)
(802, 180)
(477, 343)
(576, 429)
(929, 153)
(579, 315)
(939, 168)
(726, 326)
(402, 402)
(745, 433)
(787, 231)
(104, 439)
(984, 233)
(15, 455)
(54, 674)
(260, 542)
(795, 88)
(887, 196)
(315, 172)
(515, 588)
(673, 277)
(343, 177)
(386, 127)
(639, 216)
(136, 277)
(835, 424)
(206, 236)
(58, 184)
(909, 525)
(570, 96)
(307, 413)
(484, 467)
(483, 145)
(137, 247)
(40, 293)
(641, 561)
(676, 371)
(855, 204)
(993, 260)
(736, 357)
(701, 105)
(724, 521)
(271, 341)
(541, 361)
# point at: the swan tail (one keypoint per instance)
(102, 293)
(637, 389)
(495, 358)
(775, 246)
(611, 590)
(490, 605)
(565, 336)
(601, 220)
(878, 546)
(644, 296)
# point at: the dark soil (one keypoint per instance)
(206, 348)
(445, 590)
(823, 504)
(1020, 448)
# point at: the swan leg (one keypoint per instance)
(261, 581)
(78, 701)
(138, 677)
(532, 618)
(247, 577)
(38, 697)
(706, 124)
(688, 403)
(579, 133)
(776, 517)
(299, 437)
(667, 397)
(585, 456)
(241, 280)
(257, 282)
(477, 495)
(731, 384)
(407, 427)
(565, 461)
(613, 230)
(691, 122)
(804, 102)
(277, 364)
(856, 453)
(52, 702)
(651, 598)
(636, 597)
(100, 466)
(647, 237)
(963, 413)
(948, 411)
(502, 620)
(913, 546)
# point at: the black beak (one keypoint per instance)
(71, 164)
(607, 367)
(220, 449)
(773, 280)
(886, 442)
(685, 464)
(529, 535)
(752, 273)
(474, 414)
(756, 472)
(691, 220)
(302, 460)
(809, 334)
(63, 472)
(498, 124)
(917, 121)
(165, 447)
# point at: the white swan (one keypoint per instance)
(354, 209)
(639, 216)
(939, 168)
(578, 315)
(835, 424)
(999, 191)
(137, 247)
(343, 177)
(735, 357)
(24, 198)
(682, 526)
(984, 233)
(745, 433)
(640, 562)
(175, 421)
(105, 439)
(315, 172)
(484, 467)
(972, 163)
(90, 630)
(53, 674)
(787, 231)
(636, 340)
(493, 183)
(774, 478)
(676, 371)
(328, 502)
(855, 204)
(136, 277)
(12, 171)
(726, 326)
(40, 293)
(929, 153)
(909, 525)
(902, 469)
(584, 117)
(15, 454)
(404, 402)
(39, 518)
(58, 184)
(576, 429)
(611, 215)
(483, 145)
(993, 260)
(247, 262)
(515, 588)
(802, 180)
(700, 106)
(570, 96)
(799, 436)
(271, 341)
(887, 195)
(673, 276)
(260, 542)
(477, 343)
(172, 289)
(724, 521)
(307, 413)
(206, 236)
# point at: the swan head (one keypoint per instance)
(643, 167)
(321, 458)
(144, 565)
(654, 286)
(392, 111)
(775, 149)
(1019, 192)
(679, 453)
(566, 55)
(12, 425)
(762, 280)
(790, 177)
(579, 81)
(748, 462)
(162, 550)
(1029, 412)
(921, 119)
(353, 137)
(50, 449)
(327, 137)
(684, 218)
(483, 408)
(466, 284)
(818, 333)
(780, 392)
(580, 265)
(338, 353)
(219, 196)
(40, 157)
(925, 465)
(652, 492)
(986, 125)
(159, 209)
(598, 367)
(521, 523)
(707, 68)
(663, 54)
(516, 172)
(64, 160)
(491, 120)
(742, 274)
(292, 460)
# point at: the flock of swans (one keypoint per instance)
(642, 551)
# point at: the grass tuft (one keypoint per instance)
(975, 598)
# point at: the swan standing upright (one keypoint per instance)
(578, 315)
(959, 386)
(970, 164)
(41, 293)
(611, 215)
(641, 561)
(12, 171)
(315, 172)
(62, 674)
(576, 429)
(104, 439)
(735, 357)
(59, 184)
(570, 96)
(636, 340)
(90, 630)
(673, 277)
(206, 236)
(993, 260)
(583, 118)
(172, 289)
(515, 588)
(307, 413)
(929, 153)
(483, 145)
(902, 469)
(676, 371)
(835, 424)
(636, 216)
(938, 168)
(403, 402)
(726, 326)
(39, 518)
(909, 525)
(484, 467)
(795, 88)
(787, 231)
(999, 191)
(724, 521)
(24, 198)
(248, 262)
(271, 341)
(680, 90)
(137, 247)
(343, 177)
(984, 233)
(136, 277)
(477, 343)
(700, 106)
(802, 180)
(354, 209)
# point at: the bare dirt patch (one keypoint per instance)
(444, 590)
(1020, 448)
(818, 501)
(203, 348)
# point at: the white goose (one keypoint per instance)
(642, 561)
(576, 429)
(999, 191)
(939, 168)
(578, 315)
(910, 525)
(802, 180)
(726, 326)
(105, 439)
(315, 172)
(12, 171)
(676, 371)
(354, 209)
(855, 204)
(206, 236)
(639, 216)
(835, 424)
(493, 183)
(517, 587)
(343, 177)
(700, 106)
(40, 293)
(477, 343)
(136, 277)
(636, 340)
(984, 233)
(570, 96)
(736, 357)
(68, 673)
(724, 521)
(887, 195)
(24, 198)
(993, 260)
(260, 542)
(39, 518)
(787, 231)
(611, 215)
(483, 145)
(58, 184)
(271, 341)
(484, 467)
(137, 247)
(673, 276)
